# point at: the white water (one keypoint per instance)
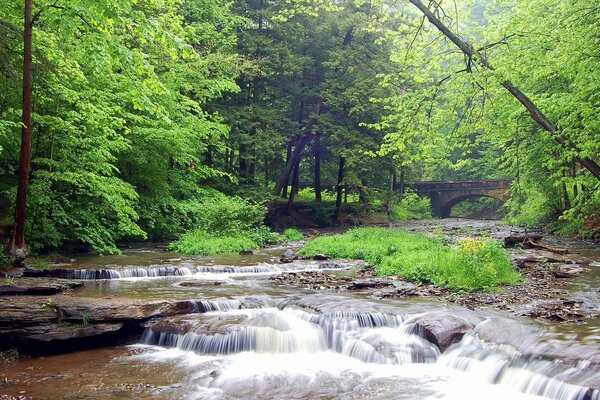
(295, 354)
(209, 272)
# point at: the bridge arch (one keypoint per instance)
(445, 210)
(446, 194)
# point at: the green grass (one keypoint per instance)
(41, 265)
(474, 265)
(293, 234)
(203, 243)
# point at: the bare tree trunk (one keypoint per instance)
(317, 181)
(295, 185)
(287, 160)
(266, 167)
(390, 199)
(339, 189)
(533, 110)
(16, 246)
(295, 157)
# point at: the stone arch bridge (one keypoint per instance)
(446, 194)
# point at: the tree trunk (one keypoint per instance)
(243, 163)
(16, 246)
(533, 110)
(288, 155)
(295, 185)
(294, 159)
(317, 182)
(266, 172)
(390, 199)
(339, 189)
(402, 183)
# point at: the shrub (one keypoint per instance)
(411, 207)
(474, 265)
(293, 234)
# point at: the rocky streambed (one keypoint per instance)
(539, 337)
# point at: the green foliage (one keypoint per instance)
(224, 214)
(41, 265)
(8, 357)
(293, 234)
(225, 224)
(411, 207)
(474, 265)
(204, 243)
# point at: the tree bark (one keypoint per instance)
(339, 189)
(288, 156)
(295, 185)
(391, 182)
(266, 167)
(317, 181)
(294, 158)
(16, 246)
(536, 114)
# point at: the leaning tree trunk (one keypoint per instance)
(339, 189)
(16, 246)
(295, 186)
(536, 114)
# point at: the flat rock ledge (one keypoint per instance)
(63, 323)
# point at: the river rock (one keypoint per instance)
(201, 283)
(246, 252)
(320, 257)
(37, 287)
(567, 271)
(442, 329)
(288, 257)
(370, 284)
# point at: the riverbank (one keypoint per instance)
(217, 306)
(39, 308)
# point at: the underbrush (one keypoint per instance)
(227, 224)
(473, 265)
(293, 234)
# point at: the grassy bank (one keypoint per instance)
(472, 265)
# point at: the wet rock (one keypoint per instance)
(555, 310)
(201, 283)
(51, 272)
(199, 324)
(37, 287)
(370, 284)
(441, 328)
(171, 260)
(30, 323)
(288, 257)
(320, 257)
(65, 331)
(246, 252)
(567, 271)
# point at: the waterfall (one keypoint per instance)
(502, 365)
(189, 270)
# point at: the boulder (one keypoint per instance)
(441, 328)
(288, 257)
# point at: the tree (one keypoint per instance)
(16, 246)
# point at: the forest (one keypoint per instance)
(164, 119)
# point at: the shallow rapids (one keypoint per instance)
(289, 352)
(250, 337)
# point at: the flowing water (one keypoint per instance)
(254, 339)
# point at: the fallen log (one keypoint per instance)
(513, 241)
(530, 244)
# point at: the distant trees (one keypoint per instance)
(142, 109)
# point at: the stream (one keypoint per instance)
(252, 337)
